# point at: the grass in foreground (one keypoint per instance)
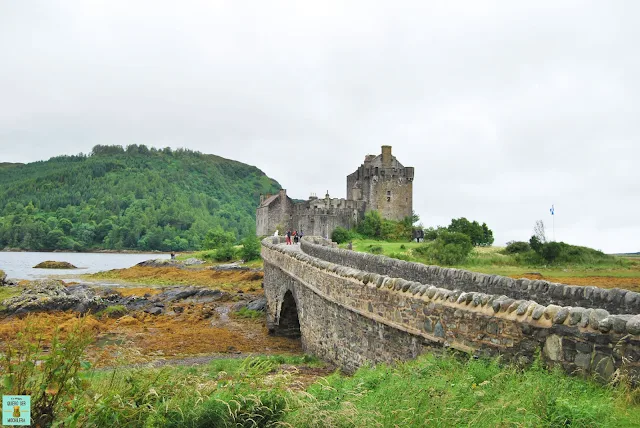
(291, 391)
(286, 391)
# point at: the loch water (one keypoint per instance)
(19, 265)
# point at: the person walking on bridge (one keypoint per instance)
(288, 237)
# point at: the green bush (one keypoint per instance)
(371, 226)
(515, 247)
(225, 253)
(341, 235)
(550, 251)
(536, 244)
(431, 234)
(449, 248)
(250, 248)
(375, 249)
(563, 253)
(400, 256)
(218, 238)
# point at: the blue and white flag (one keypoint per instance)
(552, 210)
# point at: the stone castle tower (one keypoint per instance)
(384, 184)
(381, 183)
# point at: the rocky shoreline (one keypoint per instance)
(49, 295)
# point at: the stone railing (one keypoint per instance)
(590, 339)
(613, 300)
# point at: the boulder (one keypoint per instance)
(154, 311)
(3, 278)
(171, 263)
(53, 295)
(258, 304)
(50, 264)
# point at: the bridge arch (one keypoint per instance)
(288, 322)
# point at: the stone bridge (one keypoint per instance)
(353, 308)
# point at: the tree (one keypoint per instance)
(515, 247)
(218, 238)
(450, 248)
(371, 226)
(340, 235)
(487, 236)
(66, 225)
(224, 253)
(539, 231)
(480, 235)
(250, 248)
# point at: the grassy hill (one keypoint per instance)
(135, 198)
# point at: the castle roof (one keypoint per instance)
(269, 200)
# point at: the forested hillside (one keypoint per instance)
(127, 198)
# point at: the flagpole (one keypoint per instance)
(553, 216)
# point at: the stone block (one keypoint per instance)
(603, 365)
(606, 324)
(522, 307)
(553, 348)
(561, 316)
(538, 312)
(596, 316)
(575, 315)
(493, 328)
(551, 311)
(438, 331)
(633, 325)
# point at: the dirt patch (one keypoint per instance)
(140, 337)
(632, 284)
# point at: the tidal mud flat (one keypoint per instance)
(155, 311)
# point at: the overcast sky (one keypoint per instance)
(503, 107)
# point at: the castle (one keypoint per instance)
(381, 183)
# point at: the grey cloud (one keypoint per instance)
(503, 107)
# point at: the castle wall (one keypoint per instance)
(391, 194)
(278, 214)
(320, 217)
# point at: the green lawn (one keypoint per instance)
(491, 260)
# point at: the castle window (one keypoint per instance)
(388, 195)
(376, 171)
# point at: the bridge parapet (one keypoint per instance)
(612, 300)
(350, 316)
